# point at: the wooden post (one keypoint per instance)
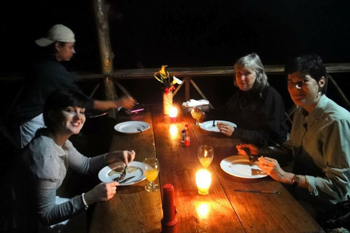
(187, 88)
(106, 53)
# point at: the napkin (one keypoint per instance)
(193, 103)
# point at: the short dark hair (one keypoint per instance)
(60, 99)
(51, 48)
(311, 64)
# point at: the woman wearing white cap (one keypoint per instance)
(48, 75)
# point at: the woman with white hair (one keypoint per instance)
(256, 107)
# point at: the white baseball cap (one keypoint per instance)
(58, 32)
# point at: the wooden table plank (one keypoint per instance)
(257, 212)
(132, 209)
(178, 166)
(135, 210)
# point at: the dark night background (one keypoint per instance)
(148, 34)
(178, 33)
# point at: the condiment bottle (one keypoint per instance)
(187, 137)
(183, 134)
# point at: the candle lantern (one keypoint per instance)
(203, 181)
(173, 113)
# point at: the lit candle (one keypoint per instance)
(203, 181)
(173, 113)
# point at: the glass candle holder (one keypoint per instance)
(167, 102)
(173, 113)
(203, 181)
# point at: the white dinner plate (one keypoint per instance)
(107, 174)
(239, 166)
(131, 127)
(208, 125)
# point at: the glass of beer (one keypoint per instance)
(151, 170)
(205, 155)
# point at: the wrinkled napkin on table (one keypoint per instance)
(193, 103)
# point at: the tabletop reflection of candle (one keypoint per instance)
(203, 181)
(173, 130)
(201, 223)
(203, 210)
(173, 113)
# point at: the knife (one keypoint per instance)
(127, 179)
(256, 191)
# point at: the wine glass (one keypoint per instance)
(151, 166)
(197, 114)
(205, 155)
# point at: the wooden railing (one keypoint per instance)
(181, 72)
(187, 73)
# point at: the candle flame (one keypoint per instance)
(173, 112)
(203, 181)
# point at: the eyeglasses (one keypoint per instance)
(298, 85)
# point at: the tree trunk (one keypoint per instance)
(106, 54)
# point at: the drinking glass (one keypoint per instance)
(151, 173)
(205, 155)
(197, 114)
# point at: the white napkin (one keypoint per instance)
(193, 103)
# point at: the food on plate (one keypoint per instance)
(116, 171)
(119, 170)
(131, 169)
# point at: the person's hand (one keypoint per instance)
(125, 102)
(244, 149)
(226, 129)
(271, 167)
(101, 192)
(128, 156)
(125, 155)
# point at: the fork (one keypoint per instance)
(250, 156)
(213, 123)
(247, 151)
(122, 176)
(139, 129)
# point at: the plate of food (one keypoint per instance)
(134, 173)
(212, 126)
(132, 127)
(240, 166)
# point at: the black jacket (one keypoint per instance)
(258, 116)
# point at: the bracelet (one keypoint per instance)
(295, 180)
(83, 198)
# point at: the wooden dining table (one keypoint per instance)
(133, 209)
